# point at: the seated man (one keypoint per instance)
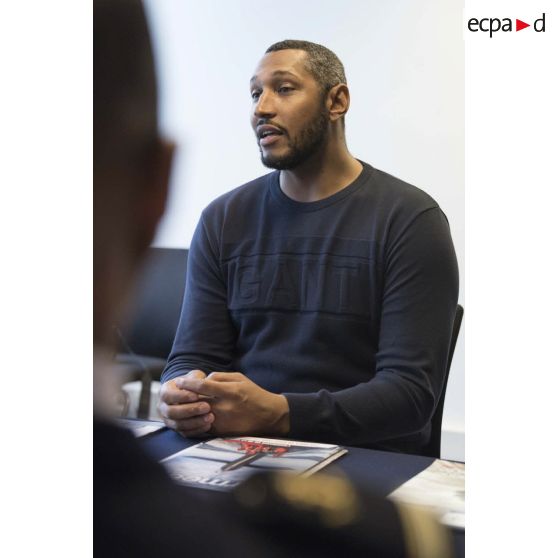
(320, 297)
(138, 511)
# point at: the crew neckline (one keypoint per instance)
(283, 199)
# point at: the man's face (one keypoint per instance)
(288, 113)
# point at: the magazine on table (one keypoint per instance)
(223, 463)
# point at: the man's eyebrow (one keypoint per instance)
(276, 73)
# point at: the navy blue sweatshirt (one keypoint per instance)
(345, 305)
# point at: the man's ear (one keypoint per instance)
(338, 101)
(163, 167)
(156, 189)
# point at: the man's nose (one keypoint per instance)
(265, 107)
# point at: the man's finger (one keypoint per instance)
(192, 427)
(177, 382)
(210, 388)
(225, 376)
(180, 412)
(182, 382)
(195, 374)
(172, 392)
(172, 395)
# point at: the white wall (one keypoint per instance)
(404, 61)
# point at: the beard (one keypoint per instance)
(302, 147)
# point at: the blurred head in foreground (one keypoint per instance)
(131, 162)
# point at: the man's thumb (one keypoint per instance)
(198, 374)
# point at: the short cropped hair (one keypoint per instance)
(322, 63)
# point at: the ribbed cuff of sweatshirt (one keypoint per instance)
(165, 377)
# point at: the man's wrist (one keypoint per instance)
(281, 423)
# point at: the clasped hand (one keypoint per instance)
(223, 403)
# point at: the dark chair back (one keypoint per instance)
(156, 303)
(432, 449)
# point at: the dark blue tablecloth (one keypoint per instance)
(379, 471)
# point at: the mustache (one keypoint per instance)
(267, 122)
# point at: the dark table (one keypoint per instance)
(379, 471)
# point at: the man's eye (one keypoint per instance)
(285, 89)
(255, 94)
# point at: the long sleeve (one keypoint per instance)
(205, 337)
(418, 306)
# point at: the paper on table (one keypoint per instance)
(440, 487)
(141, 427)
